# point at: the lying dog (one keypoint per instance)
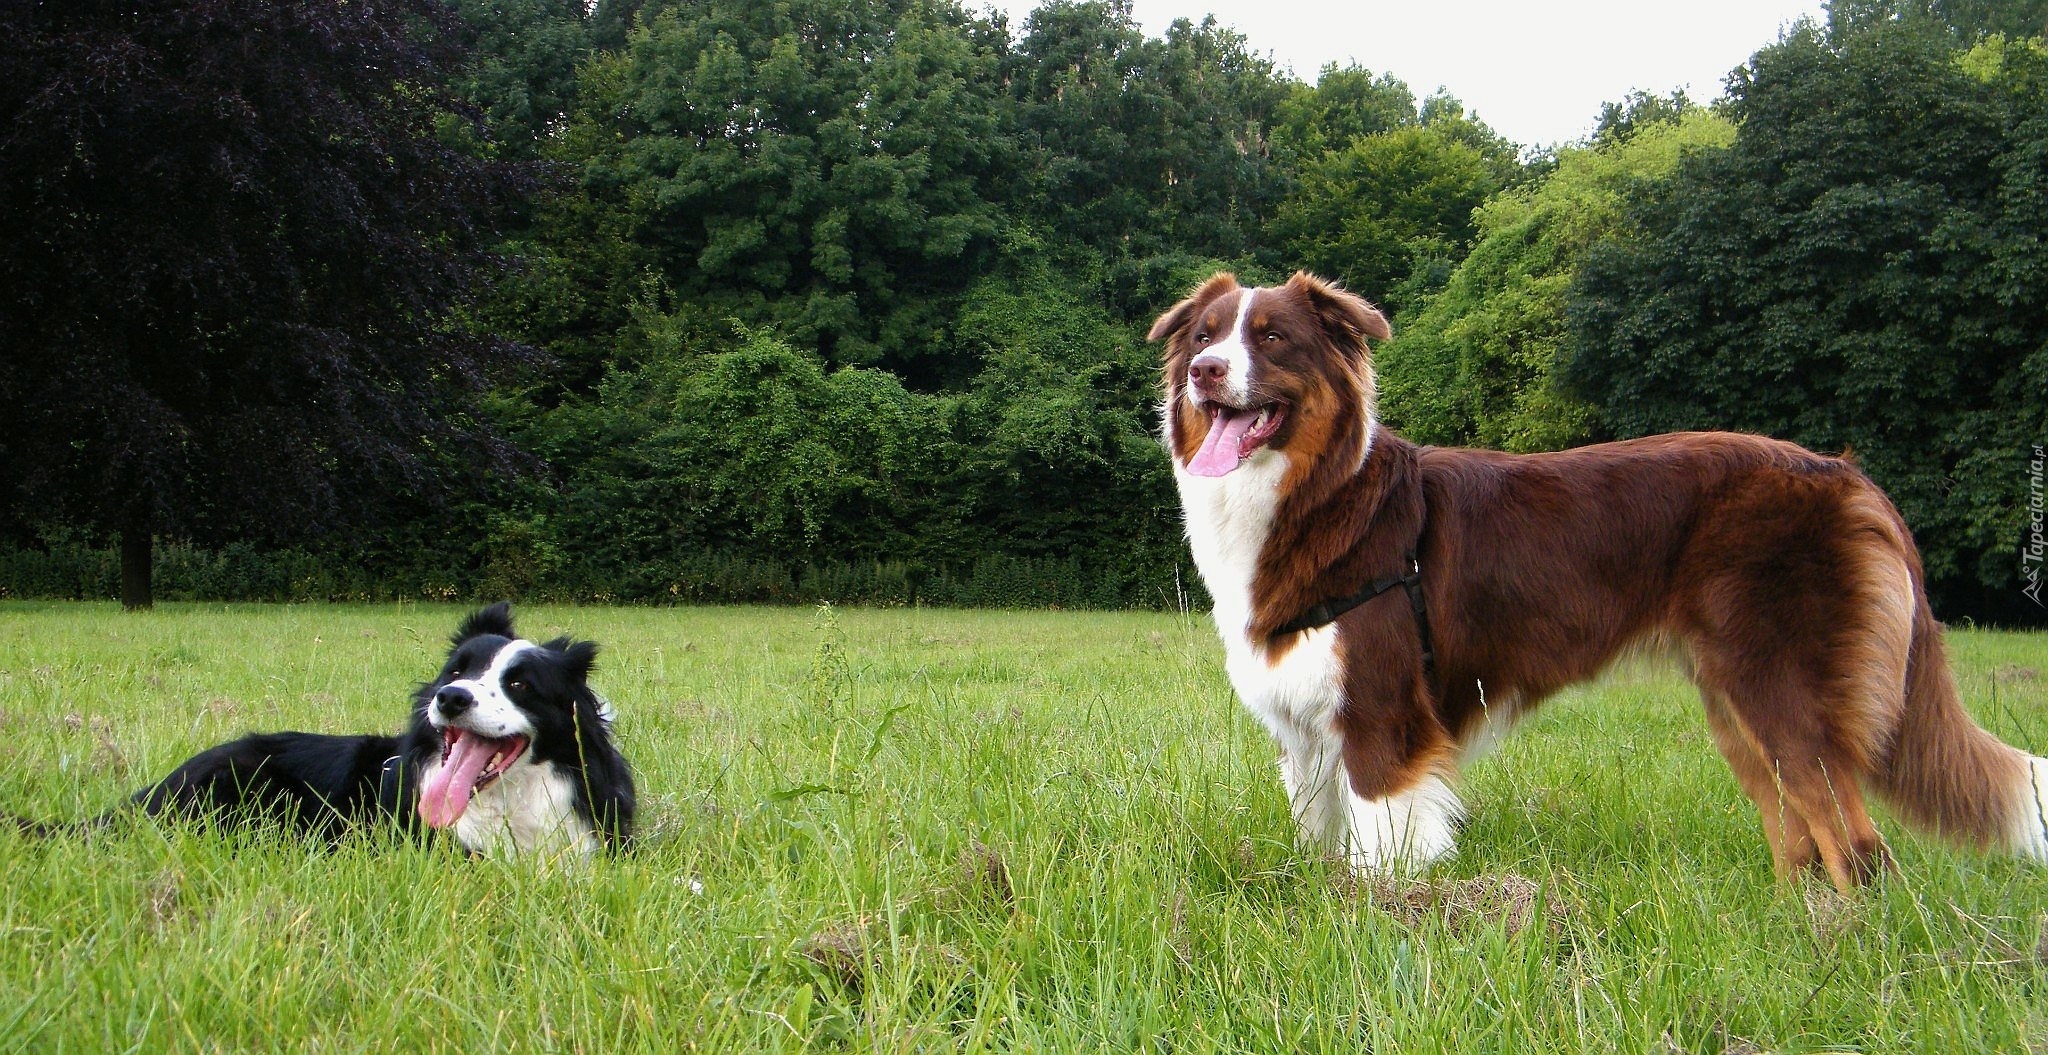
(508, 747)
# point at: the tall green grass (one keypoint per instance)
(918, 830)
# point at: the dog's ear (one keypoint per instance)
(497, 619)
(1178, 315)
(1343, 313)
(579, 658)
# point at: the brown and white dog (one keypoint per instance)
(1784, 579)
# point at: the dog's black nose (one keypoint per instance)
(452, 701)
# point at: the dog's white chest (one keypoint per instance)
(532, 808)
(1228, 519)
(1302, 689)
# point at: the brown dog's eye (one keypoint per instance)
(1273, 336)
(1201, 338)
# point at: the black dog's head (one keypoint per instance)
(502, 702)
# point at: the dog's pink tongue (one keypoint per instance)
(1219, 451)
(446, 793)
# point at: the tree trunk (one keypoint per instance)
(138, 559)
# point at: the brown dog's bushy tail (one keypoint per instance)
(1944, 772)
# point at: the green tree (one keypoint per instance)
(821, 165)
(1861, 270)
(1345, 104)
(1443, 114)
(1141, 146)
(234, 248)
(1476, 363)
(1372, 213)
(1970, 20)
(1058, 454)
(1639, 110)
(746, 449)
(522, 68)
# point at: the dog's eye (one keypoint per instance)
(1274, 336)
(1201, 338)
(515, 684)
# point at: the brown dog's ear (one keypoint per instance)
(1177, 316)
(1342, 311)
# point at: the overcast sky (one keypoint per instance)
(1537, 72)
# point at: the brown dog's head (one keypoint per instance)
(1279, 367)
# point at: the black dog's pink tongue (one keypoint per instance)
(1219, 453)
(446, 793)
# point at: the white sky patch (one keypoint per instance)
(1536, 73)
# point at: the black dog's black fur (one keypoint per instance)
(325, 785)
(320, 783)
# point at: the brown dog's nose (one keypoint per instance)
(1208, 369)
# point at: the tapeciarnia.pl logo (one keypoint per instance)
(2031, 553)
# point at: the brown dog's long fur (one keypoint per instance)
(1785, 579)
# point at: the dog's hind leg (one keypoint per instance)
(1806, 783)
(1827, 792)
(1792, 846)
(1801, 654)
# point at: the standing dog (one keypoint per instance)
(1786, 579)
(509, 747)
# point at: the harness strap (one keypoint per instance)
(1323, 613)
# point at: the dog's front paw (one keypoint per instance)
(1402, 832)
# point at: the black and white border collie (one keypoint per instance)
(509, 748)
(513, 749)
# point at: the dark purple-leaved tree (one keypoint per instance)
(234, 254)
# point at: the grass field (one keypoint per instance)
(935, 830)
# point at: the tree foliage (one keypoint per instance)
(1969, 20)
(847, 297)
(746, 446)
(1621, 120)
(1370, 213)
(1140, 146)
(1344, 105)
(822, 165)
(233, 244)
(1477, 363)
(1861, 270)
(522, 69)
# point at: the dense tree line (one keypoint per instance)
(231, 244)
(1862, 269)
(845, 297)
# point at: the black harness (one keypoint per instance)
(1323, 613)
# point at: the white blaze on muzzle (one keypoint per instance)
(1235, 427)
(1235, 349)
(492, 711)
(486, 736)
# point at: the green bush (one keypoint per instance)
(74, 571)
